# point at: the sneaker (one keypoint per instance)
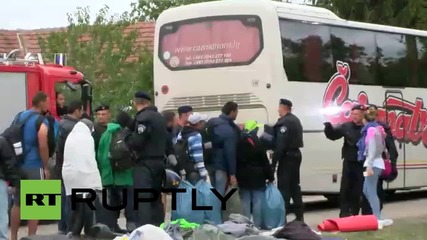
(386, 222)
(380, 225)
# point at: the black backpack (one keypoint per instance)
(183, 156)
(15, 135)
(121, 156)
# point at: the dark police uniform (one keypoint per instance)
(288, 133)
(352, 170)
(148, 142)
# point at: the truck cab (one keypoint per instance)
(21, 79)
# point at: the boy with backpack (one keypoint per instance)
(189, 150)
(115, 164)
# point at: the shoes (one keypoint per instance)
(384, 223)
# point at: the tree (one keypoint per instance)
(107, 55)
(151, 9)
(402, 13)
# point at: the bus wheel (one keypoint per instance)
(332, 197)
(390, 193)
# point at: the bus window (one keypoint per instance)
(306, 51)
(422, 61)
(210, 42)
(358, 49)
(392, 64)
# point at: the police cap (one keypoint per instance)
(142, 95)
(286, 102)
(184, 109)
(102, 107)
(372, 106)
(359, 107)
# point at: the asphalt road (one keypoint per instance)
(403, 205)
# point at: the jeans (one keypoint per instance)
(221, 180)
(65, 212)
(4, 206)
(370, 191)
(248, 198)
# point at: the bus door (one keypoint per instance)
(400, 182)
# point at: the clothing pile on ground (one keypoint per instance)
(237, 227)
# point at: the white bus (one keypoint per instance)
(256, 52)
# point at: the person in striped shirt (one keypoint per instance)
(195, 170)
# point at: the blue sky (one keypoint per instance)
(30, 14)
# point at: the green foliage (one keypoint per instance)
(107, 54)
(402, 13)
(151, 9)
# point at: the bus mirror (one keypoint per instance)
(70, 86)
(87, 90)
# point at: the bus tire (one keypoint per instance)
(332, 197)
(390, 193)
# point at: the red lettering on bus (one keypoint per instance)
(407, 120)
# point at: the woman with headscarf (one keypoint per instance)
(80, 170)
(371, 148)
(252, 171)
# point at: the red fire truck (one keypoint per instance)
(22, 78)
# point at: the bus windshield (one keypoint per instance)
(210, 42)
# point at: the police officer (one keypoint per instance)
(148, 141)
(352, 170)
(288, 133)
(103, 116)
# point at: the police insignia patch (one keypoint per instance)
(141, 128)
(283, 130)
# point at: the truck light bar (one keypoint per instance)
(60, 59)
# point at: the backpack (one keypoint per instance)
(15, 135)
(121, 156)
(183, 156)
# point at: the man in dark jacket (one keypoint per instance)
(183, 113)
(352, 171)
(253, 169)
(61, 109)
(225, 135)
(8, 173)
(66, 125)
(171, 124)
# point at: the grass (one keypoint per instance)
(408, 229)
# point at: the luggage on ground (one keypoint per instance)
(205, 197)
(273, 208)
(184, 205)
